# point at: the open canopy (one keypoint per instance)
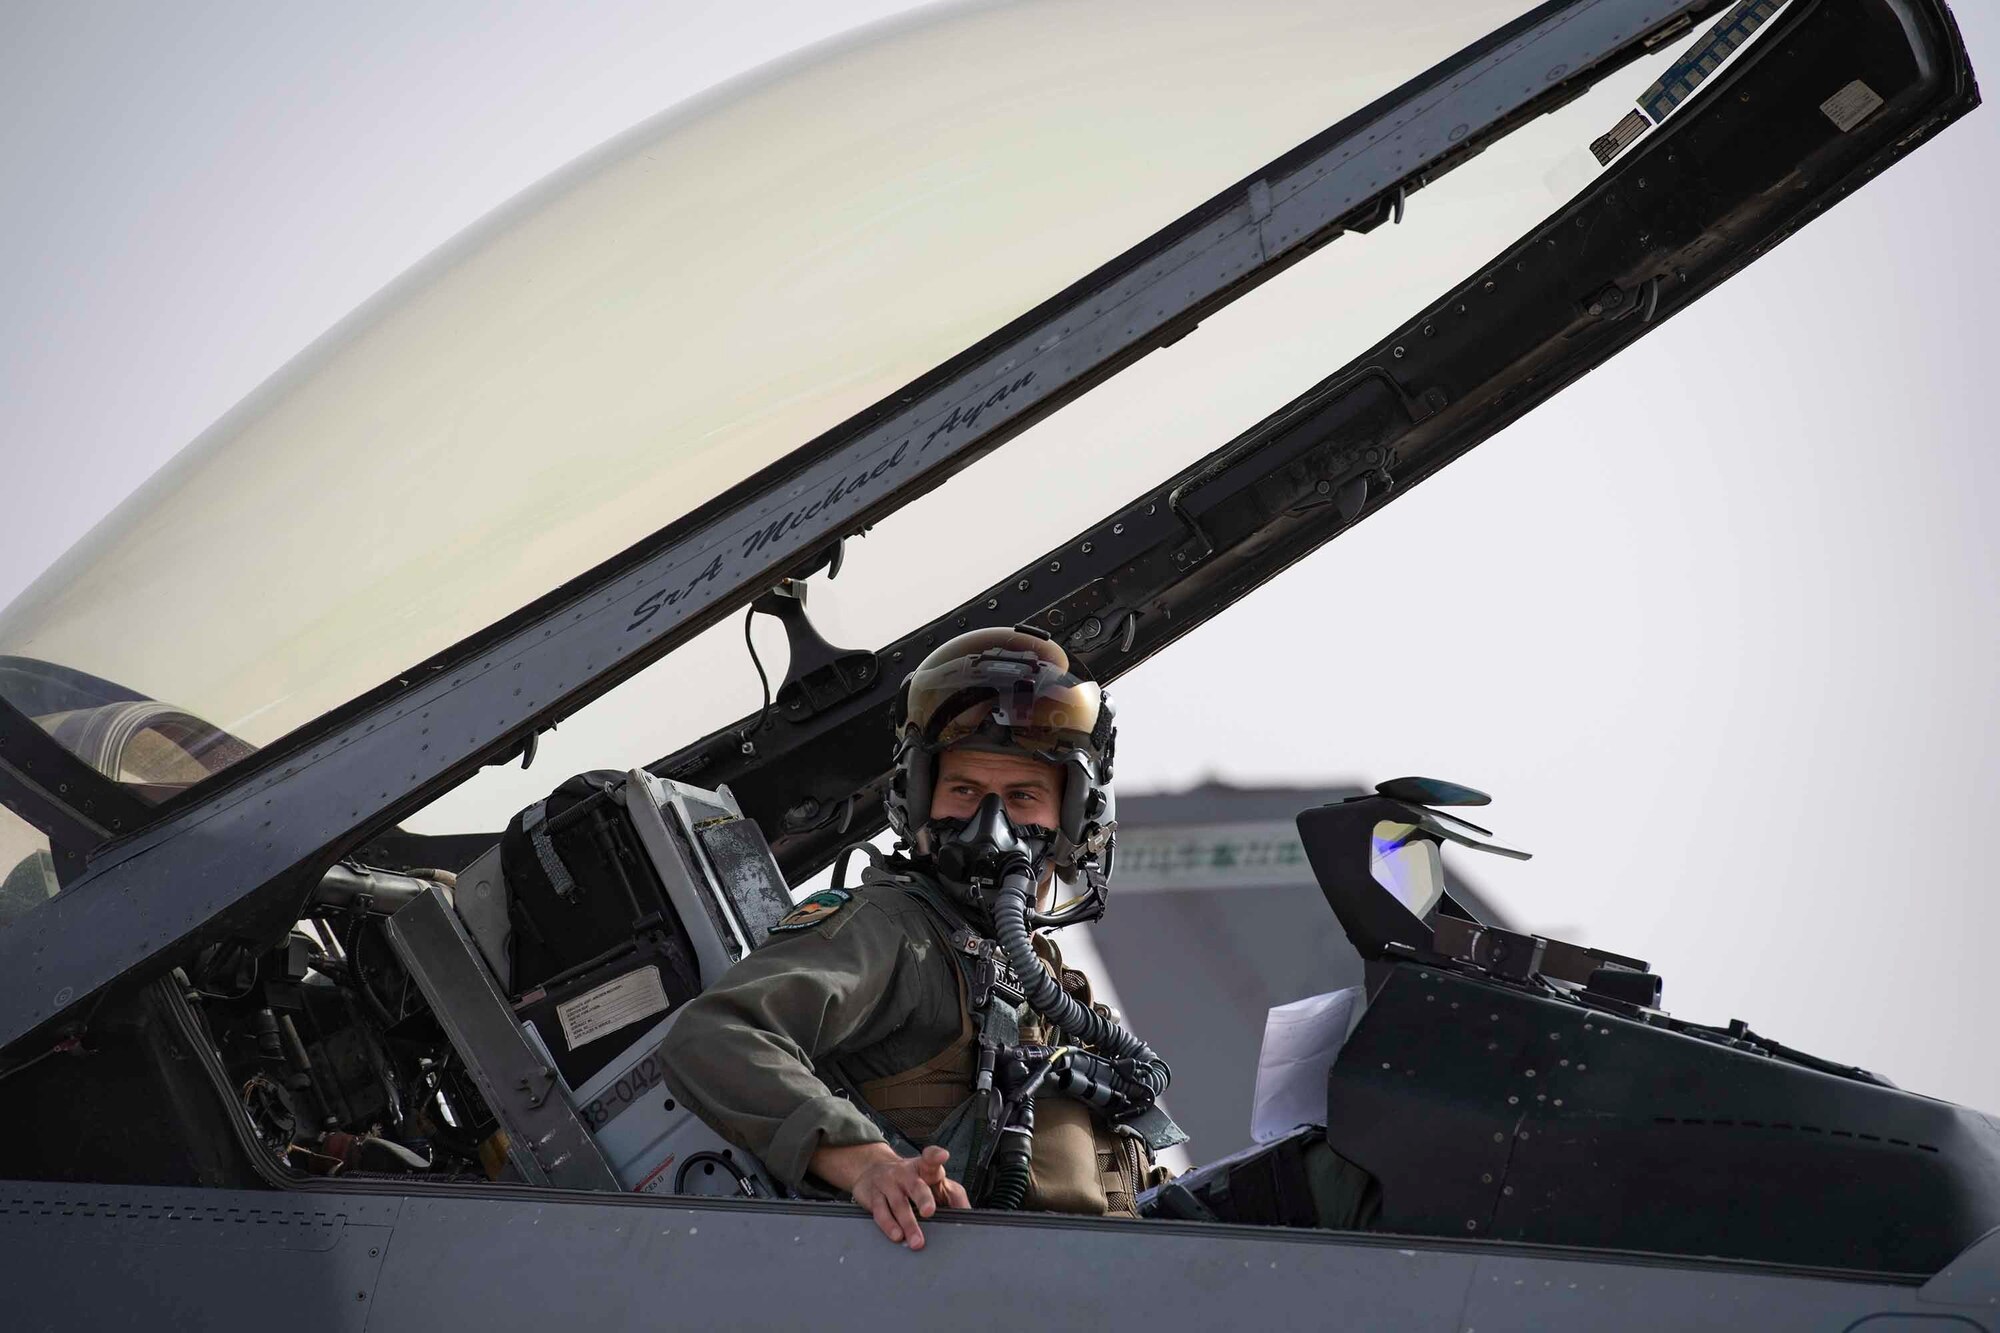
(654, 325)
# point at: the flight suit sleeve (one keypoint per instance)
(742, 1053)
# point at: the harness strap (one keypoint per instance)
(535, 823)
(934, 1102)
(938, 1084)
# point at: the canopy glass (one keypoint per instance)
(680, 309)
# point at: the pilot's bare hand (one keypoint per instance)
(930, 1169)
(896, 1190)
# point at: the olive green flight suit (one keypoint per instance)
(873, 991)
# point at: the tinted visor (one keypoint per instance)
(1011, 689)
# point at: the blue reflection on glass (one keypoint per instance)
(1408, 867)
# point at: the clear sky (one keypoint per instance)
(1717, 627)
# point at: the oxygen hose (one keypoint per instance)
(1047, 997)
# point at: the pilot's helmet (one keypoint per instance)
(1012, 690)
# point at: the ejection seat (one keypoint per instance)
(602, 910)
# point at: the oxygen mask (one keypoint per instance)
(974, 854)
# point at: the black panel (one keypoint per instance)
(1485, 1111)
(131, 1105)
(542, 1005)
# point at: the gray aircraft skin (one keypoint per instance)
(1659, 1175)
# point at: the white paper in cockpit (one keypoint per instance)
(1301, 1040)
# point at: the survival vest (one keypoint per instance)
(1078, 1164)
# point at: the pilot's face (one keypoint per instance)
(1030, 789)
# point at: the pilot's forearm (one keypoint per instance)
(743, 1054)
(758, 1094)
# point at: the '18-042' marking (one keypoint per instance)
(633, 1084)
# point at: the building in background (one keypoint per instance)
(1216, 918)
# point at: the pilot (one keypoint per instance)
(908, 1042)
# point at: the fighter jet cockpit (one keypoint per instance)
(381, 781)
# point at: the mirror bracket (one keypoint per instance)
(817, 674)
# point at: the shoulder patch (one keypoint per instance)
(813, 909)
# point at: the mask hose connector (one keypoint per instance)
(1007, 1186)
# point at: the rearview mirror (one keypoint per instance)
(1407, 864)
